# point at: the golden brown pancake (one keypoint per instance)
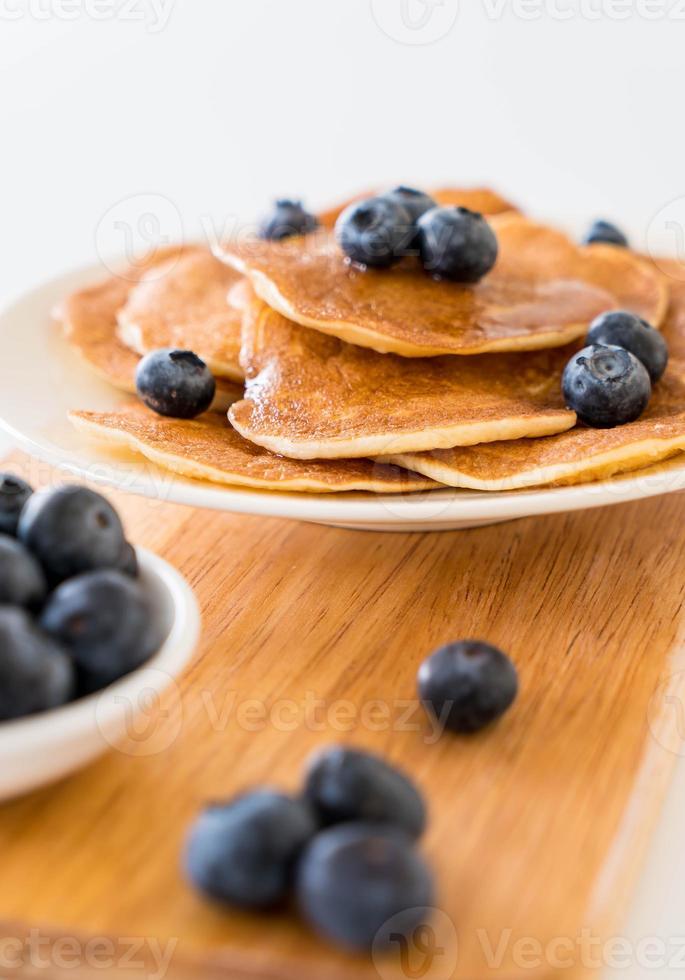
(208, 448)
(310, 396)
(474, 198)
(581, 454)
(185, 304)
(543, 292)
(88, 319)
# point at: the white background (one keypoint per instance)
(200, 111)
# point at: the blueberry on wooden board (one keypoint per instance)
(243, 852)
(355, 880)
(467, 685)
(345, 784)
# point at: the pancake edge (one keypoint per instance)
(198, 471)
(444, 437)
(352, 333)
(633, 458)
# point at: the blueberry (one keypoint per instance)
(359, 885)
(106, 622)
(128, 561)
(14, 492)
(622, 329)
(467, 685)
(243, 852)
(345, 784)
(606, 386)
(35, 674)
(175, 383)
(606, 233)
(22, 581)
(71, 529)
(457, 244)
(415, 203)
(287, 218)
(376, 232)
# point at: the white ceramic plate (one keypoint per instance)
(42, 379)
(46, 747)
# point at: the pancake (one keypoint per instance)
(311, 396)
(89, 323)
(185, 304)
(208, 448)
(581, 454)
(475, 198)
(543, 292)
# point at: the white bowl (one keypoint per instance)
(45, 747)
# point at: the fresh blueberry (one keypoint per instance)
(175, 383)
(376, 232)
(456, 244)
(415, 203)
(606, 233)
(243, 852)
(345, 784)
(606, 386)
(35, 674)
(71, 529)
(359, 885)
(622, 329)
(14, 492)
(288, 218)
(467, 685)
(22, 581)
(106, 622)
(128, 562)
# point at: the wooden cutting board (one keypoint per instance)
(313, 635)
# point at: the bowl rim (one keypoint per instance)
(157, 673)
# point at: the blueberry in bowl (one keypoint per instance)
(14, 492)
(71, 529)
(106, 622)
(80, 651)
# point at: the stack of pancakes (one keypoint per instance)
(340, 378)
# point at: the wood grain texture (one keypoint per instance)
(313, 635)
